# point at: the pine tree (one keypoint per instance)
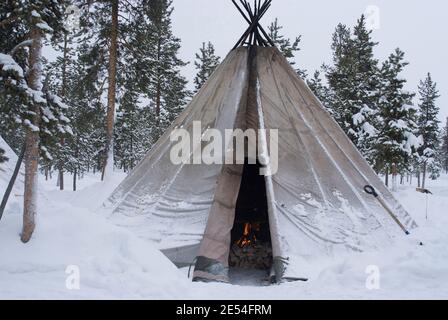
(112, 89)
(396, 140)
(444, 147)
(287, 47)
(12, 32)
(353, 82)
(40, 111)
(130, 134)
(321, 91)
(428, 125)
(60, 79)
(152, 91)
(159, 75)
(105, 54)
(206, 62)
(87, 112)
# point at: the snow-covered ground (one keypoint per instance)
(74, 235)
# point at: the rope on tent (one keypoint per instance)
(192, 263)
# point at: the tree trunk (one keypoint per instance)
(386, 181)
(418, 179)
(394, 177)
(32, 141)
(76, 167)
(74, 179)
(63, 92)
(159, 85)
(111, 95)
(61, 174)
(158, 93)
(424, 175)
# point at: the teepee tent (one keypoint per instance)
(313, 205)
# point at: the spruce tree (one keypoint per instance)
(287, 47)
(130, 132)
(444, 147)
(428, 125)
(353, 82)
(206, 62)
(396, 139)
(321, 91)
(12, 32)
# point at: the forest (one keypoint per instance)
(112, 84)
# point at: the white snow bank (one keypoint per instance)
(115, 263)
(112, 262)
(91, 194)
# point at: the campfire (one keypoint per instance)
(249, 234)
(250, 250)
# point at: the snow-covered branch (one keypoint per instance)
(26, 43)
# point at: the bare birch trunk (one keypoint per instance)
(108, 154)
(32, 141)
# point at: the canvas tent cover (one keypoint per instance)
(317, 205)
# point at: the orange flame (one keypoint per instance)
(248, 236)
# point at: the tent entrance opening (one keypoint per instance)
(251, 238)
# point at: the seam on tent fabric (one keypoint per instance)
(390, 197)
(184, 117)
(335, 165)
(272, 203)
(324, 197)
(341, 172)
(350, 160)
(348, 182)
(170, 183)
(187, 118)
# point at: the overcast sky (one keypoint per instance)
(419, 27)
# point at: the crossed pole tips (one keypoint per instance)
(255, 35)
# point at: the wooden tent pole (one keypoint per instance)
(254, 23)
(12, 181)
